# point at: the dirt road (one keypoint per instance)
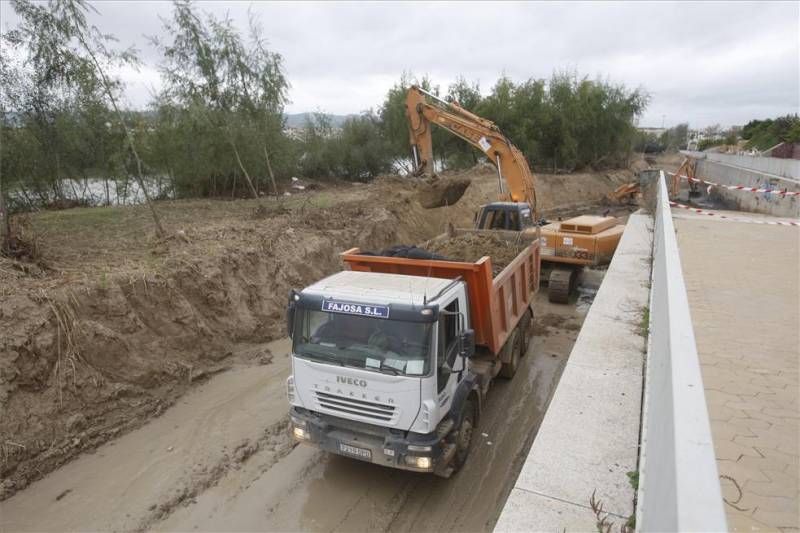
(220, 459)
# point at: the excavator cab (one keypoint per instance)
(512, 216)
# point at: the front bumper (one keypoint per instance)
(373, 444)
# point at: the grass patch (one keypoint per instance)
(633, 479)
(644, 322)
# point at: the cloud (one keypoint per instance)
(703, 63)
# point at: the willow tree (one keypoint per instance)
(66, 57)
(236, 83)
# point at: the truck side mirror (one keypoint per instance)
(468, 343)
(290, 312)
(445, 369)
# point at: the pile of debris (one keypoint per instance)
(470, 247)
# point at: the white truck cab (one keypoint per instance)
(380, 369)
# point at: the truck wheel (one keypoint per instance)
(463, 438)
(510, 368)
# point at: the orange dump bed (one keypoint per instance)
(496, 304)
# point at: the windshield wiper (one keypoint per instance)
(392, 369)
(323, 356)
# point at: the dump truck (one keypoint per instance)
(392, 357)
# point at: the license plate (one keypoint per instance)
(354, 451)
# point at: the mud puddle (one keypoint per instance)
(220, 460)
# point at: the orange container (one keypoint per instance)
(496, 304)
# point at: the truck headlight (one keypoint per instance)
(301, 433)
(423, 463)
(300, 429)
(290, 389)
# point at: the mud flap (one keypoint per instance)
(467, 385)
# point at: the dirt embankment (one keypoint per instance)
(107, 338)
(118, 325)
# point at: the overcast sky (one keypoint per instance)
(705, 63)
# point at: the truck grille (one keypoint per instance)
(350, 406)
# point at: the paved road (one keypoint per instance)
(744, 294)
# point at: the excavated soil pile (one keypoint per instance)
(471, 246)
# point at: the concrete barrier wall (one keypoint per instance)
(786, 168)
(767, 203)
(679, 486)
(589, 438)
(774, 166)
(762, 172)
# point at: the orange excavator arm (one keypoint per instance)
(516, 180)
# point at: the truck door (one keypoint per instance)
(451, 322)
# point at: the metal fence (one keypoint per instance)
(679, 486)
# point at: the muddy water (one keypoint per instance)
(220, 461)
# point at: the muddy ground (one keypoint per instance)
(220, 460)
(112, 326)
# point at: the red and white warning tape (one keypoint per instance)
(737, 219)
(710, 184)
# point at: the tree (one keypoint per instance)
(233, 85)
(713, 131)
(468, 96)
(68, 58)
(394, 123)
(675, 138)
(764, 134)
(364, 149)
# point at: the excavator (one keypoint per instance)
(567, 246)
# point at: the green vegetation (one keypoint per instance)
(633, 479)
(673, 139)
(705, 144)
(644, 322)
(564, 123)
(218, 128)
(764, 134)
(358, 152)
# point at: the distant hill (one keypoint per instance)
(298, 120)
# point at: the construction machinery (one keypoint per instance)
(625, 193)
(567, 246)
(685, 171)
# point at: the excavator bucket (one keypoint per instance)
(440, 192)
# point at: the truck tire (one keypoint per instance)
(513, 343)
(463, 437)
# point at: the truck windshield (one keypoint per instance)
(378, 344)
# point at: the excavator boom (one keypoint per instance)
(423, 109)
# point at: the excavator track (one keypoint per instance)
(560, 284)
